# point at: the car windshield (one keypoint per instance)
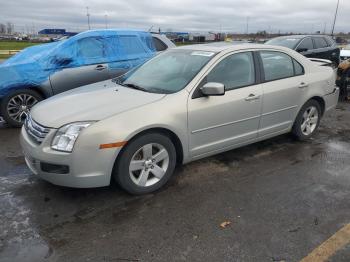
(168, 72)
(289, 42)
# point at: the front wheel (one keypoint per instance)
(16, 106)
(307, 120)
(146, 164)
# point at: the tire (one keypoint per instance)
(17, 104)
(154, 160)
(307, 121)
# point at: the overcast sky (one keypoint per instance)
(178, 15)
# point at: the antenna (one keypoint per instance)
(335, 18)
(88, 17)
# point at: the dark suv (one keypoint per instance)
(313, 46)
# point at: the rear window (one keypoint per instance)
(320, 42)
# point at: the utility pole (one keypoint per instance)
(106, 20)
(88, 17)
(247, 27)
(335, 18)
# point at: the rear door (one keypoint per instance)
(284, 83)
(89, 66)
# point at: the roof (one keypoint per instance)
(223, 46)
(298, 36)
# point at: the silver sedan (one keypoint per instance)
(185, 104)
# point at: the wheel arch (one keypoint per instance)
(160, 130)
(318, 99)
(321, 102)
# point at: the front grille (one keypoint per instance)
(36, 131)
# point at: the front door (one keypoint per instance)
(88, 66)
(217, 123)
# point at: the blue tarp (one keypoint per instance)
(33, 65)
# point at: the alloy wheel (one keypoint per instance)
(19, 106)
(149, 164)
(310, 121)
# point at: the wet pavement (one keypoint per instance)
(282, 197)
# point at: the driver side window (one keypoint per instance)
(234, 71)
(91, 50)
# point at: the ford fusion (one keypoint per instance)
(184, 104)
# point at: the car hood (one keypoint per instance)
(90, 103)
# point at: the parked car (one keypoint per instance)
(184, 104)
(42, 71)
(345, 53)
(313, 46)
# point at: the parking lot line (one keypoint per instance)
(330, 246)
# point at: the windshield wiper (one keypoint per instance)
(133, 86)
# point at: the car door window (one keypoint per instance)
(320, 42)
(298, 68)
(306, 44)
(234, 71)
(90, 48)
(276, 65)
(131, 45)
(329, 41)
(158, 44)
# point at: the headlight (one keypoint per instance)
(66, 136)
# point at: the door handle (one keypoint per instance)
(100, 67)
(303, 85)
(252, 97)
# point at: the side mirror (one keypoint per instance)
(301, 50)
(213, 89)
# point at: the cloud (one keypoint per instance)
(180, 15)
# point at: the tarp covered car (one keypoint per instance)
(41, 71)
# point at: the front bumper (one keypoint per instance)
(88, 166)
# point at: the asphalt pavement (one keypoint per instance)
(281, 199)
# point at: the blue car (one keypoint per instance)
(45, 70)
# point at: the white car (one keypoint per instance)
(345, 53)
(185, 104)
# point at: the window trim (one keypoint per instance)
(261, 65)
(257, 73)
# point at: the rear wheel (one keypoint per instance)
(146, 163)
(307, 120)
(16, 106)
